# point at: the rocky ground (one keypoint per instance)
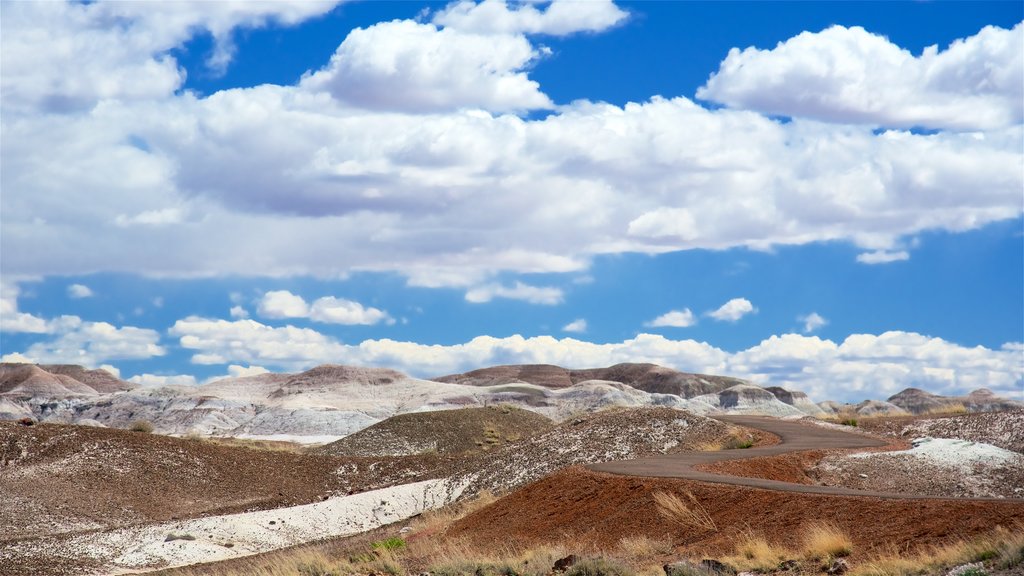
(599, 510)
(464, 431)
(1002, 429)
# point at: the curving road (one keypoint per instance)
(794, 436)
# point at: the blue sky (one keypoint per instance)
(824, 196)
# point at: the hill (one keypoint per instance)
(647, 377)
(466, 430)
(917, 401)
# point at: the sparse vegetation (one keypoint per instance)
(1003, 548)
(823, 541)
(144, 426)
(688, 513)
(754, 552)
(849, 422)
(393, 543)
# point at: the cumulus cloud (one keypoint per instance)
(733, 310)
(578, 326)
(559, 18)
(92, 343)
(339, 311)
(236, 371)
(674, 319)
(302, 179)
(331, 310)
(410, 66)
(519, 291)
(155, 380)
(118, 50)
(79, 291)
(850, 75)
(883, 256)
(239, 312)
(250, 342)
(861, 366)
(11, 320)
(282, 304)
(812, 322)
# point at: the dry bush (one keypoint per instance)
(438, 520)
(754, 552)
(950, 409)
(823, 540)
(689, 513)
(643, 547)
(1004, 547)
(141, 426)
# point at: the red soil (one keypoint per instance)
(593, 510)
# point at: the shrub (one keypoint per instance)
(690, 513)
(849, 422)
(826, 541)
(393, 543)
(598, 567)
(141, 426)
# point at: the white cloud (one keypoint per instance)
(410, 66)
(80, 291)
(92, 343)
(284, 304)
(733, 310)
(546, 295)
(155, 380)
(236, 371)
(578, 326)
(674, 319)
(118, 50)
(861, 366)
(853, 76)
(239, 312)
(883, 257)
(560, 18)
(114, 370)
(11, 320)
(812, 322)
(339, 311)
(250, 342)
(16, 358)
(281, 181)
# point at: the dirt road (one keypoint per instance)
(794, 436)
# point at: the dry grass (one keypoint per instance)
(823, 541)
(272, 445)
(688, 513)
(951, 409)
(1004, 547)
(144, 426)
(644, 547)
(437, 521)
(754, 552)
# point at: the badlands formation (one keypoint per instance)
(367, 470)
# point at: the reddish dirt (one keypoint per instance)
(596, 510)
(57, 478)
(785, 468)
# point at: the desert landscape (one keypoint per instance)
(527, 469)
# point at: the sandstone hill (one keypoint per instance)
(918, 401)
(462, 431)
(646, 377)
(57, 381)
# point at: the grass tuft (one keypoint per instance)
(689, 513)
(824, 541)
